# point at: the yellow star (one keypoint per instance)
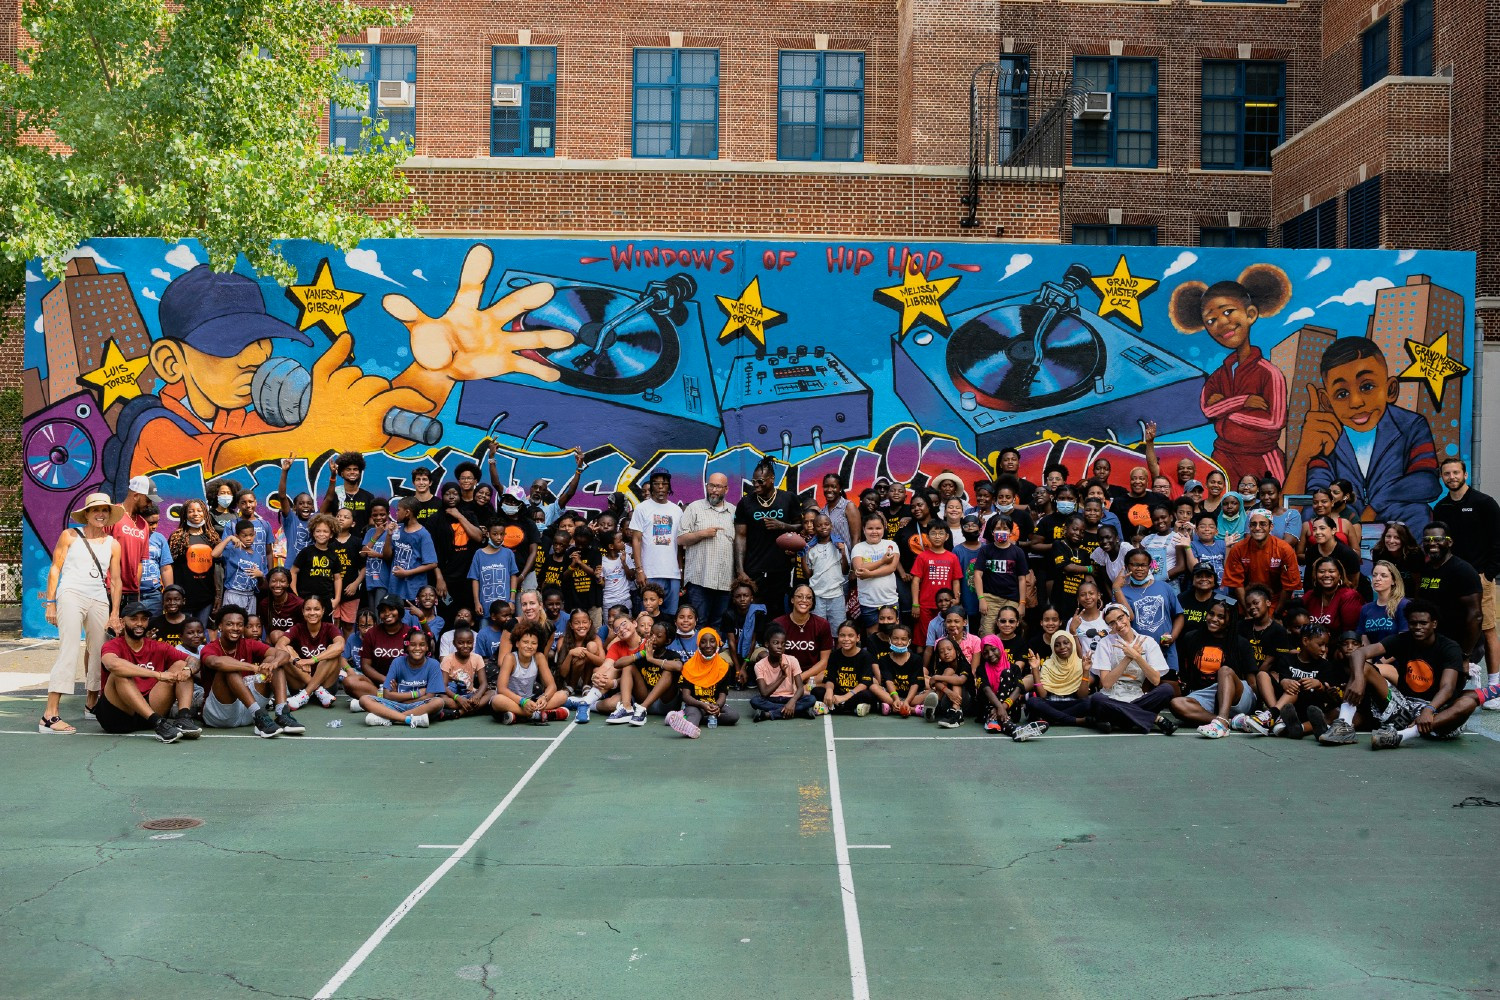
(321, 304)
(746, 315)
(918, 297)
(1430, 364)
(116, 378)
(1121, 292)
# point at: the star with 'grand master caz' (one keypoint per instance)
(918, 297)
(1121, 292)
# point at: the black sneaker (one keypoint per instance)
(1316, 719)
(1104, 726)
(189, 729)
(951, 719)
(1293, 722)
(759, 715)
(167, 731)
(289, 725)
(1165, 724)
(265, 725)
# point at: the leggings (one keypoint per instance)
(698, 717)
(78, 615)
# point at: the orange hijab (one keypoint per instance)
(701, 671)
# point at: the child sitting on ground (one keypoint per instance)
(705, 689)
(778, 680)
(413, 688)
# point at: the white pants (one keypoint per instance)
(77, 615)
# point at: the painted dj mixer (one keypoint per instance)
(794, 397)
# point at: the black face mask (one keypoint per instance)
(971, 535)
(884, 628)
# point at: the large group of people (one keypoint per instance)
(1076, 601)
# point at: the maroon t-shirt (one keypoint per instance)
(153, 653)
(247, 650)
(305, 644)
(378, 648)
(806, 642)
(282, 619)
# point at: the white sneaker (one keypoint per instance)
(354, 705)
(416, 721)
(371, 719)
(638, 717)
(324, 698)
(298, 700)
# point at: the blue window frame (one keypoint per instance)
(1127, 138)
(1012, 104)
(1314, 229)
(820, 106)
(1244, 114)
(1416, 38)
(1226, 236)
(1375, 54)
(676, 104)
(1118, 236)
(527, 128)
(1362, 215)
(376, 63)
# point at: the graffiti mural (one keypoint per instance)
(868, 359)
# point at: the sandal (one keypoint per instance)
(55, 724)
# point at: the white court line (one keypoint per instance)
(210, 734)
(373, 941)
(31, 645)
(858, 980)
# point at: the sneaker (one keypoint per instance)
(371, 719)
(929, 706)
(680, 724)
(167, 731)
(581, 716)
(638, 716)
(265, 725)
(1339, 733)
(88, 714)
(355, 706)
(558, 715)
(1259, 723)
(289, 725)
(1029, 731)
(1291, 724)
(862, 709)
(951, 719)
(190, 730)
(1165, 724)
(298, 700)
(540, 718)
(1316, 720)
(1215, 730)
(993, 726)
(619, 716)
(418, 721)
(324, 698)
(1008, 729)
(506, 718)
(1240, 724)
(1388, 738)
(819, 709)
(759, 715)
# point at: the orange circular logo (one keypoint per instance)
(1419, 675)
(200, 558)
(514, 536)
(1140, 515)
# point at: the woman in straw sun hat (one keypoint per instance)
(83, 596)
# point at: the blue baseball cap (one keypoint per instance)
(219, 314)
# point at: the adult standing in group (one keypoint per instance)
(456, 536)
(761, 516)
(706, 534)
(83, 597)
(542, 498)
(1135, 508)
(653, 540)
(848, 525)
(1262, 558)
(133, 532)
(1473, 519)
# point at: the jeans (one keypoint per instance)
(833, 610)
(709, 603)
(775, 705)
(673, 587)
(151, 601)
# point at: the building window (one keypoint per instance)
(1012, 104)
(821, 106)
(1127, 138)
(1119, 236)
(1313, 229)
(1244, 114)
(1375, 61)
(1362, 215)
(523, 105)
(1416, 38)
(1225, 236)
(676, 108)
(377, 64)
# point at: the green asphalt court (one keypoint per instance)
(832, 858)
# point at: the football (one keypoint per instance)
(791, 541)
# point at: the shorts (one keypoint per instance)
(1401, 710)
(116, 720)
(868, 617)
(1486, 602)
(217, 715)
(1208, 698)
(399, 706)
(348, 611)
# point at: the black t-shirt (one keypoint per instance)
(1194, 610)
(1016, 649)
(1289, 666)
(1064, 583)
(427, 508)
(846, 673)
(1269, 642)
(581, 588)
(168, 632)
(761, 553)
(198, 588)
(455, 549)
(1446, 586)
(358, 504)
(552, 568)
(350, 561)
(315, 571)
(1135, 513)
(1002, 569)
(911, 541)
(1420, 669)
(1474, 524)
(897, 678)
(1200, 657)
(1050, 530)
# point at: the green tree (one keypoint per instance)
(201, 119)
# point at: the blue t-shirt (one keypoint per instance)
(410, 547)
(487, 641)
(1377, 625)
(294, 528)
(1154, 605)
(1287, 524)
(494, 571)
(1213, 554)
(966, 557)
(434, 625)
(352, 646)
(237, 566)
(264, 536)
(377, 570)
(156, 556)
(406, 679)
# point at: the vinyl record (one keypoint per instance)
(993, 356)
(59, 455)
(641, 354)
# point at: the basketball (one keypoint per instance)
(791, 541)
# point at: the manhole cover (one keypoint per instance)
(171, 823)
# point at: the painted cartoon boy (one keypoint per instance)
(215, 333)
(1354, 431)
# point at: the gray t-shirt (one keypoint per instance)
(1129, 686)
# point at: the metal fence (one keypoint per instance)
(1019, 121)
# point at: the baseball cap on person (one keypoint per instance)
(1205, 569)
(1191, 485)
(134, 608)
(389, 601)
(219, 314)
(143, 486)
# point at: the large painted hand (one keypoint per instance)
(468, 342)
(348, 406)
